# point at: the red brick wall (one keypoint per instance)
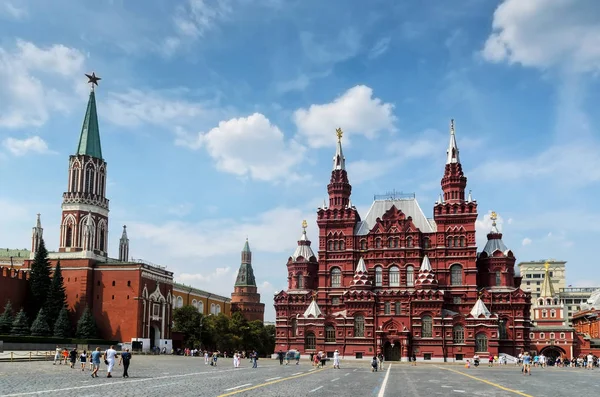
(14, 285)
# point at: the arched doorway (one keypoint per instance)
(154, 336)
(553, 352)
(391, 351)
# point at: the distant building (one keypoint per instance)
(245, 297)
(587, 323)
(533, 273)
(206, 302)
(13, 257)
(573, 297)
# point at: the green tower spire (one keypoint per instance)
(245, 275)
(89, 140)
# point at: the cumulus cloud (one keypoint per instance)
(356, 111)
(526, 241)
(542, 34)
(21, 147)
(250, 146)
(32, 81)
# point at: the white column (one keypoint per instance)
(162, 326)
(144, 320)
(149, 316)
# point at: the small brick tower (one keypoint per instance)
(245, 297)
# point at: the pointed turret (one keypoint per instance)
(426, 277)
(339, 188)
(452, 152)
(496, 263)
(245, 275)
(245, 297)
(454, 181)
(494, 242)
(313, 310)
(547, 290)
(361, 275)
(89, 140)
(37, 235)
(303, 250)
(124, 246)
(480, 309)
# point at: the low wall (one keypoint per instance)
(12, 346)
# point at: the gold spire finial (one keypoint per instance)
(546, 266)
(304, 225)
(452, 126)
(339, 133)
(314, 295)
(494, 216)
(480, 294)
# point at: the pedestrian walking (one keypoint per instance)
(126, 360)
(336, 359)
(374, 364)
(73, 357)
(83, 359)
(57, 356)
(109, 359)
(95, 358)
(205, 357)
(255, 359)
(280, 356)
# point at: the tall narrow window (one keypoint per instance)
(363, 244)
(449, 242)
(377, 243)
(427, 327)
(378, 276)
(342, 245)
(409, 242)
(74, 180)
(426, 243)
(310, 341)
(359, 326)
(462, 241)
(410, 276)
(394, 276)
(481, 343)
(336, 245)
(456, 243)
(89, 179)
(397, 308)
(502, 329)
(458, 335)
(498, 279)
(69, 236)
(336, 277)
(101, 238)
(300, 281)
(329, 334)
(330, 246)
(456, 275)
(101, 187)
(387, 308)
(294, 326)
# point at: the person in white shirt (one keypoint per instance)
(205, 357)
(336, 359)
(590, 361)
(57, 356)
(110, 355)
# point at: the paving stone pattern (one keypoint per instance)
(189, 376)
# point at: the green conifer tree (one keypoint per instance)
(20, 325)
(86, 326)
(6, 319)
(62, 327)
(39, 279)
(40, 325)
(56, 298)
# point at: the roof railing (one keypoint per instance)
(394, 195)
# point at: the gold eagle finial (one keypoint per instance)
(339, 133)
(304, 224)
(494, 216)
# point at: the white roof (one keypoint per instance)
(361, 267)
(409, 206)
(480, 309)
(313, 310)
(303, 249)
(425, 265)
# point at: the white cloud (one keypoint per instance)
(196, 17)
(216, 273)
(356, 111)
(8, 8)
(297, 84)
(181, 209)
(325, 51)
(526, 241)
(483, 225)
(380, 47)
(250, 146)
(542, 34)
(27, 74)
(21, 147)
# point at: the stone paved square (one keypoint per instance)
(189, 376)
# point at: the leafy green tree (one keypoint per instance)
(86, 326)
(20, 325)
(62, 326)
(57, 297)
(39, 278)
(189, 321)
(6, 319)
(40, 325)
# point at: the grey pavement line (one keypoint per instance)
(115, 383)
(385, 381)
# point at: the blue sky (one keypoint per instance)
(218, 120)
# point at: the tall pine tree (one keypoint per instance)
(62, 327)
(56, 298)
(86, 326)
(40, 325)
(20, 325)
(39, 279)
(6, 319)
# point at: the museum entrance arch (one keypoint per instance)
(391, 351)
(553, 352)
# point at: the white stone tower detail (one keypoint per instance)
(37, 235)
(124, 246)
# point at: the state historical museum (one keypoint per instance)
(400, 283)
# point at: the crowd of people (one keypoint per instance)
(93, 359)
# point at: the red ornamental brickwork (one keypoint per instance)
(14, 286)
(400, 283)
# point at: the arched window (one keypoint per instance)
(69, 236)
(330, 245)
(363, 244)
(294, 326)
(427, 327)
(552, 335)
(101, 185)
(300, 282)
(378, 243)
(201, 307)
(342, 245)
(359, 326)
(456, 242)
(179, 301)
(391, 242)
(410, 276)
(426, 242)
(378, 276)
(502, 334)
(89, 179)
(552, 313)
(387, 308)
(481, 343)
(195, 303)
(336, 245)
(498, 279)
(409, 242)
(544, 313)
(74, 179)
(101, 239)
(394, 274)
(462, 241)
(336, 277)
(449, 242)
(310, 341)
(456, 275)
(397, 308)
(329, 334)
(458, 334)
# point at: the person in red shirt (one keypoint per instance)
(491, 360)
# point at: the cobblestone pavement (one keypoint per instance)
(188, 376)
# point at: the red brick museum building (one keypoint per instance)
(401, 283)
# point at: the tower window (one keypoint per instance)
(397, 308)
(410, 276)
(456, 275)
(363, 244)
(498, 279)
(387, 308)
(409, 242)
(89, 179)
(300, 281)
(336, 277)
(462, 241)
(427, 327)
(377, 243)
(69, 236)
(394, 274)
(101, 243)
(426, 242)
(378, 276)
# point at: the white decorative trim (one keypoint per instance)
(85, 208)
(157, 277)
(157, 295)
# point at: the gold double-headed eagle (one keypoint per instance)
(339, 133)
(494, 216)
(304, 224)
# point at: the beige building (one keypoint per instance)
(206, 302)
(573, 297)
